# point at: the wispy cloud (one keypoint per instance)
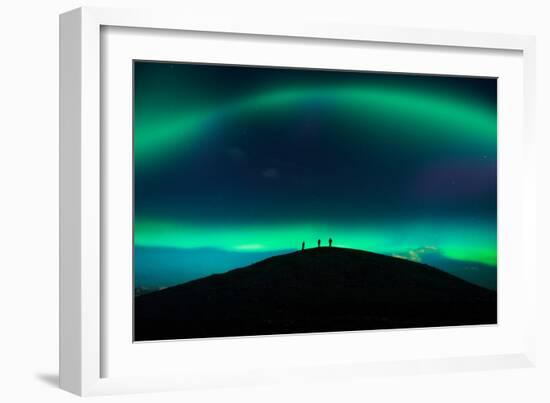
(416, 254)
(271, 173)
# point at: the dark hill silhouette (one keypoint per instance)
(316, 290)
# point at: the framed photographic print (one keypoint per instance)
(243, 202)
(275, 200)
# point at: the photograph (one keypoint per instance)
(275, 200)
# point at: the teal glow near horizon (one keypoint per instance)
(448, 238)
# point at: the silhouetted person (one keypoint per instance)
(330, 242)
(318, 243)
(303, 245)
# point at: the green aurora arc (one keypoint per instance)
(449, 238)
(157, 139)
(173, 124)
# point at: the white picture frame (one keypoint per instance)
(88, 315)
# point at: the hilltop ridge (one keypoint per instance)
(315, 290)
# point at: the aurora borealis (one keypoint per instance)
(234, 163)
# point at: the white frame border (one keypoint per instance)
(80, 164)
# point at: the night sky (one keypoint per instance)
(233, 164)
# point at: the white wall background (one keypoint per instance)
(29, 201)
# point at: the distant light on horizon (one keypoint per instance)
(254, 246)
